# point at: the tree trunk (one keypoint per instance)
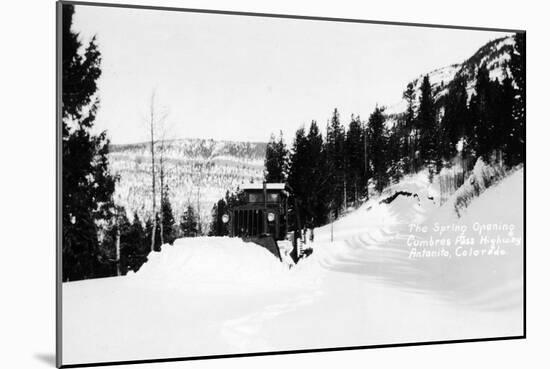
(117, 247)
(199, 225)
(118, 250)
(161, 217)
(345, 194)
(152, 116)
(366, 163)
(356, 196)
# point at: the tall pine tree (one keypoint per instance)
(309, 178)
(378, 147)
(427, 126)
(411, 132)
(516, 145)
(355, 167)
(485, 105)
(168, 223)
(87, 183)
(511, 141)
(317, 177)
(276, 160)
(297, 175)
(188, 224)
(455, 123)
(136, 245)
(397, 164)
(336, 160)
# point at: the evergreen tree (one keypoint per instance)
(167, 218)
(317, 175)
(427, 126)
(309, 178)
(485, 105)
(410, 129)
(377, 137)
(397, 164)
(455, 123)
(136, 232)
(503, 100)
(355, 159)
(297, 176)
(213, 229)
(87, 183)
(276, 160)
(516, 143)
(188, 224)
(336, 160)
(511, 142)
(479, 105)
(136, 245)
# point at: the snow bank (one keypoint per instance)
(214, 265)
(375, 216)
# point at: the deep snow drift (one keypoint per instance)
(405, 270)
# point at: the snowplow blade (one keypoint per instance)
(266, 242)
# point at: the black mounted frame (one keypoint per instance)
(59, 168)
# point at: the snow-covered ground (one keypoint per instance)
(378, 281)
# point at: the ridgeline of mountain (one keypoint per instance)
(495, 55)
(197, 172)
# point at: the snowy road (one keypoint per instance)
(209, 296)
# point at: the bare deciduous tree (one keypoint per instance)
(156, 121)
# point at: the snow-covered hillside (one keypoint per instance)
(384, 278)
(495, 55)
(198, 172)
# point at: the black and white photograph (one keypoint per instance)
(241, 184)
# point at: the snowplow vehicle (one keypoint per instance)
(265, 219)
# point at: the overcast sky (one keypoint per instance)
(241, 78)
